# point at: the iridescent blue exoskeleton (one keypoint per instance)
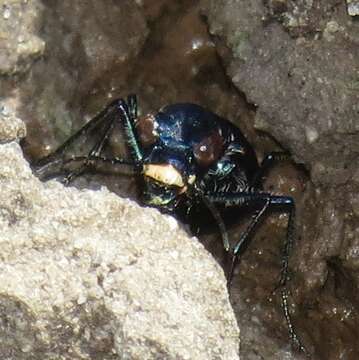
(188, 158)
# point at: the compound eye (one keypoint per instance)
(208, 150)
(146, 129)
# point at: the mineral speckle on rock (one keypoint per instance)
(353, 7)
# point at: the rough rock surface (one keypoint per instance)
(88, 275)
(19, 43)
(353, 7)
(11, 127)
(298, 62)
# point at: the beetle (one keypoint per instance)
(188, 159)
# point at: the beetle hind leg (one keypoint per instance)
(270, 160)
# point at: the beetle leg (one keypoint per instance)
(288, 205)
(101, 118)
(270, 202)
(104, 123)
(86, 163)
(94, 152)
(98, 147)
(266, 164)
(128, 122)
(292, 333)
(245, 237)
(95, 162)
(74, 174)
(217, 216)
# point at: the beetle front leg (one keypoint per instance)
(128, 121)
(127, 113)
(101, 119)
(132, 106)
(103, 123)
(94, 153)
(95, 163)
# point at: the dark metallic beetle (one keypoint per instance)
(188, 158)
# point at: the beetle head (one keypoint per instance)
(166, 181)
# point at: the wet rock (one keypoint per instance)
(258, 343)
(80, 279)
(19, 41)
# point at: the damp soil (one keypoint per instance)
(177, 61)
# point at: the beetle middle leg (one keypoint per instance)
(95, 164)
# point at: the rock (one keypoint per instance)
(19, 42)
(86, 274)
(11, 127)
(353, 7)
(297, 62)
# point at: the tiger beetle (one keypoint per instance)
(188, 158)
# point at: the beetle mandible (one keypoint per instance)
(187, 157)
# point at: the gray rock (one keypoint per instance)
(353, 7)
(11, 127)
(298, 63)
(19, 43)
(88, 275)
